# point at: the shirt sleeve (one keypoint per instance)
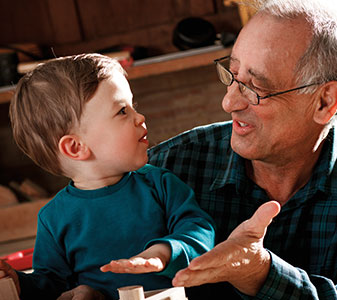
(191, 230)
(285, 281)
(51, 271)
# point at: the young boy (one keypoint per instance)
(74, 117)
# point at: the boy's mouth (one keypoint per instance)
(143, 139)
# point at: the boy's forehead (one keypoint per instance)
(120, 87)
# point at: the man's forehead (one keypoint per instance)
(268, 45)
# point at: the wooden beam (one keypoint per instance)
(149, 67)
(176, 64)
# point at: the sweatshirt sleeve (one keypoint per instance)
(191, 230)
(51, 271)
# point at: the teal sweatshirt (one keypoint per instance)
(81, 230)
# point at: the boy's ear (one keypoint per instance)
(72, 147)
(327, 103)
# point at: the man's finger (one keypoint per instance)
(263, 216)
(189, 278)
(181, 277)
(211, 259)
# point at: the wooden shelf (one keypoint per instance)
(6, 93)
(158, 65)
(177, 61)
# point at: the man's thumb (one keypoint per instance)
(263, 216)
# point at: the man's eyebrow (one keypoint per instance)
(259, 76)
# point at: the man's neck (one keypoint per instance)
(281, 182)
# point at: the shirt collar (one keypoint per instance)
(325, 167)
(333, 149)
(231, 171)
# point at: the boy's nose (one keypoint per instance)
(139, 119)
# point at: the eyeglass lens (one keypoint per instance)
(224, 76)
(227, 79)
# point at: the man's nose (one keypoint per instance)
(234, 100)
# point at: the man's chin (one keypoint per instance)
(242, 149)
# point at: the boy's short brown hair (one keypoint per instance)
(49, 101)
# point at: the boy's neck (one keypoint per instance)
(93, 184)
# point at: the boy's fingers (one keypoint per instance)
(7, 270)
(4, 268)
(105, 268)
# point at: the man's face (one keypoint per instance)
(264, 58)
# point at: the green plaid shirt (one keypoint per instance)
(302, 239)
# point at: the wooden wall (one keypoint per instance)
(75, 26)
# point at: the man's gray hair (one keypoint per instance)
(319, 62)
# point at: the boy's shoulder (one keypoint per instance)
(58, 200)
(201, 135)
(148, 169)
(159, 177)
(155, 174)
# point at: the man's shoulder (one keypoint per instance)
(201, 135)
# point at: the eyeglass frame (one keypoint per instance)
(217, 63)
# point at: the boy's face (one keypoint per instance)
(113, 130)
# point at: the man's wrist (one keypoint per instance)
(251, 282)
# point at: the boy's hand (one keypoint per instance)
(82, 292)
(134, 265)
(7, 270)
(153, 259)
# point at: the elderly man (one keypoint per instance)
(280, 145)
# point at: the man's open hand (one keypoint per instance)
(240, 260)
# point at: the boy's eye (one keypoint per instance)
(122, 111)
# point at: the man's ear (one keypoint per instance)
(326, 106)
(72, 147)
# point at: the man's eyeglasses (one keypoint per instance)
(227, 78)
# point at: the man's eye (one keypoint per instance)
(253, 87)
(259, 90)
(122, 111)
(234, 73)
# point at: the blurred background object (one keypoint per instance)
(246, 8)
(8, 67)
(193, 32)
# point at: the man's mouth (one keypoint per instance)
(242, 124)
(242, 128)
